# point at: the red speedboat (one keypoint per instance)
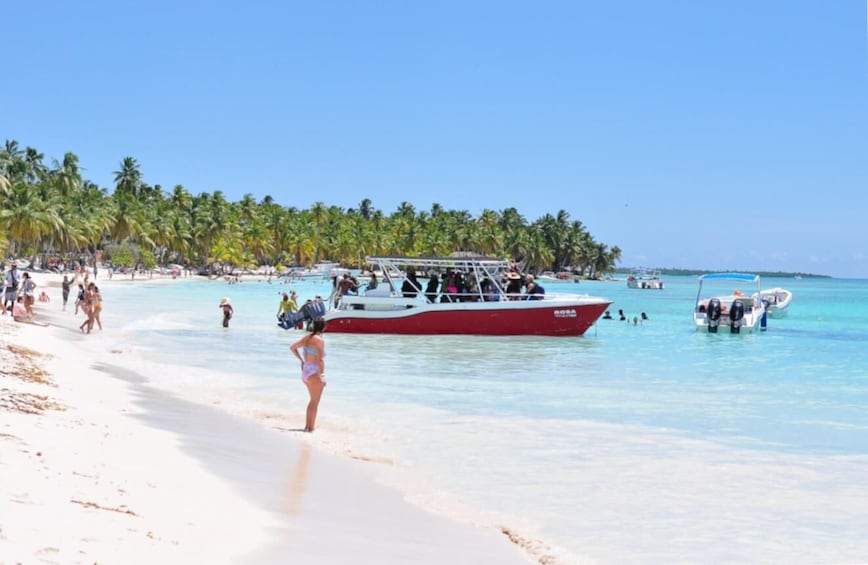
(469, 297)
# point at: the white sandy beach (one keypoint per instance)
(96, 467)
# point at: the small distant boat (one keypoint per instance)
(645, 278)
(777, 300)
(561, 276)
(324, 270)
(732, 309)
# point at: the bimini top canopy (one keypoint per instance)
(441, 262)
(730, 277)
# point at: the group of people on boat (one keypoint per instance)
(458, 286)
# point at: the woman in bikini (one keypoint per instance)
(95, 307)
(87, 308)
(310, 350)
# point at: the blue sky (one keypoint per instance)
(709, 135)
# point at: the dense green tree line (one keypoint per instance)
(52, 209)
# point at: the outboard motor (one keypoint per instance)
(307, 313)
(736, 315)
(712, 315)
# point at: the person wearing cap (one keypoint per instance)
(286, 307)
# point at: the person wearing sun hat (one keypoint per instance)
(513, 285)
(226, 306)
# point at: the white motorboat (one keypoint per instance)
(323, 270)
(733, 309)
(645, 278)
(777, 300)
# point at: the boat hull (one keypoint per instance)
(501, 318)
(749, 324)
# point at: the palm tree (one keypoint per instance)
(129, 178)
(319, 215)
(25, 217)
(258, 241)
(66, 175)
(12, 162)
(181, 199)
(365, 208)
(228, 250)
(539, 255)
(128, 216)
(248, 210)
(300, 238)
(35, 169)
(379, 235)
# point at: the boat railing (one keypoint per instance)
(396, 300)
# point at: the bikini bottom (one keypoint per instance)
(309, 369)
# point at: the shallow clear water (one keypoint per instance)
(634, 443)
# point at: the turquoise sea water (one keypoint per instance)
(641, 443)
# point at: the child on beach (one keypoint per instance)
(19, 314)
(19, 311)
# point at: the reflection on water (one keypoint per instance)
(297, 483)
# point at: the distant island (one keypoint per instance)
(695, 272)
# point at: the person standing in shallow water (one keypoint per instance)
(226, 306)
(286, 307)
(310, 350)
